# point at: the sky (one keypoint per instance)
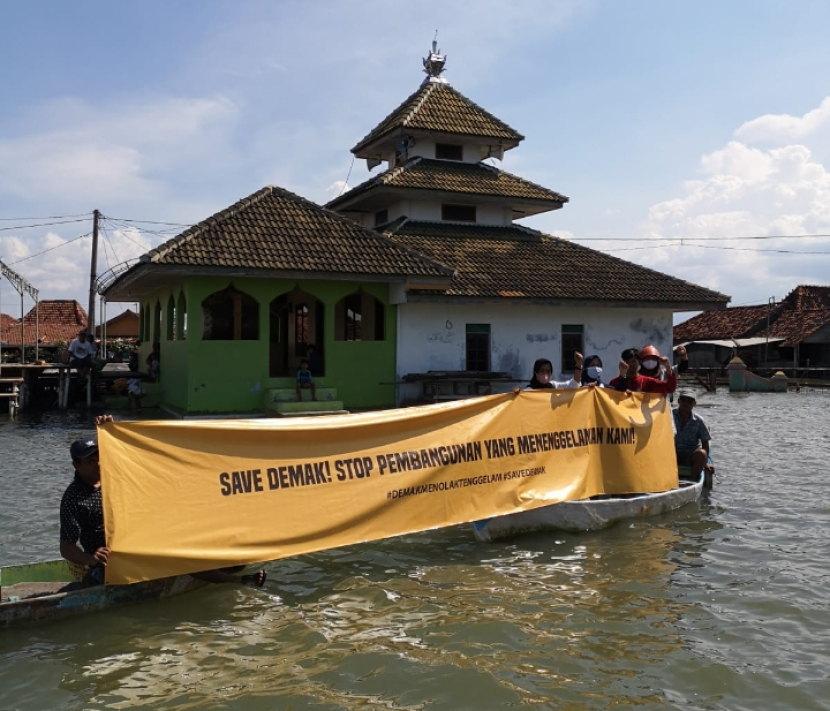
(691, 138)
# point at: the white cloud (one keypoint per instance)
(750, 192)
(778, 128)
(337, 188)
(82, 154)
(60, 269)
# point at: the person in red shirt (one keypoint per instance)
(630, 379)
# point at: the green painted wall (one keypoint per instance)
(232, 376)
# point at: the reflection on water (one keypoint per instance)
(716, 607)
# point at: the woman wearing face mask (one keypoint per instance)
(543, 375)
(592, 371)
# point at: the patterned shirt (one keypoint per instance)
(82, 516)
(689, 437)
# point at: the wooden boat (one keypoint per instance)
(51, 590)
(588, 514)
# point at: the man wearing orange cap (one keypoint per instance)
(650, 366)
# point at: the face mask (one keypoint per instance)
(650, 364)
(594, 372)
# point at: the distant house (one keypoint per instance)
(792, 333)
(47, 323)
(125, 325)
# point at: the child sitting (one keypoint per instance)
(135, 392)
(305, 381)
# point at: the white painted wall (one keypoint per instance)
(433, 336)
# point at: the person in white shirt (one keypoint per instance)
(81, 350)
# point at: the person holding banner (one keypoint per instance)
(630, 380)
(592, 371)
(543, 374)
(82, 521)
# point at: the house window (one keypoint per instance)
(572, 340)
(478, 347)
(360, 317)
(381, 217)
(458, 213)
(230, 315)
(449, 151)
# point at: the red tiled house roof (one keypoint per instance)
(275, 232)
(458, 178)
(437, 107)
(518, 262)
(735, 322)
(50, 321)
(802, 312)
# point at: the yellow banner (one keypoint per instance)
(187, 496)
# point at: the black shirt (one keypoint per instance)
(82, 516)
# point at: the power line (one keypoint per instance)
(39, 224)
(57, 246)
(121, 231)
(348, 175)
(706, 239)
(706, 246)
(49, 217)
(148, 222)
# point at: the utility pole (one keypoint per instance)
(93, 276)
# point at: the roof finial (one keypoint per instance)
(434, 63)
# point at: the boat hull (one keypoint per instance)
(587, 514)
(39, 592)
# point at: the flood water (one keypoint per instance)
(721, 606)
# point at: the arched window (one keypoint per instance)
(359, 317)
(157, 323)
(145, 325)
(230, 315)
(181, 318)
(170, 319)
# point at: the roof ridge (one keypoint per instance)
(396, 170)
(413, 252)
(417, 107)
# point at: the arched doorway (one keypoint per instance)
(296, 321)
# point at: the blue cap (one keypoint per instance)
(83, 448)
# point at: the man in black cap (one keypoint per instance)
(82, 519)
(82, 513)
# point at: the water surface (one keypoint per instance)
(721, 606)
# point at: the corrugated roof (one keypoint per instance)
(519, 262)
(451, 176)
(274, 229)
(438, 107)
